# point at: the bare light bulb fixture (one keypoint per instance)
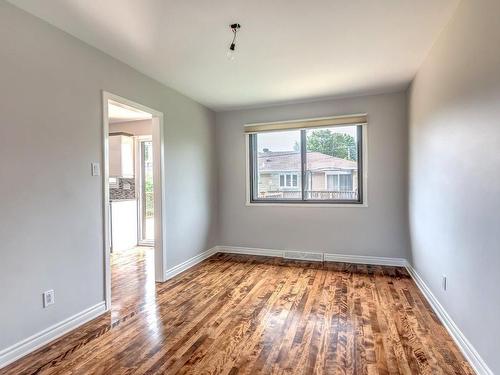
(232, 48)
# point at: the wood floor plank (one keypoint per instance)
(236, 314)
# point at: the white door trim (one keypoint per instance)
(159, 192)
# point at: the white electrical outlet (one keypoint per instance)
(48, 298)
(444, 282)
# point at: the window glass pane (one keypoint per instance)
(277, 166)
(147, 192)
(331, 171)
(332, 163)
(332, 182)
(345, 182)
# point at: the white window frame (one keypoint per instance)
(364, 160)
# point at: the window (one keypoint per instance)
(339, 182)
(306, 165)
(288, 180)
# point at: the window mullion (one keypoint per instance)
(253, 166)
(360, 140)
(303, 162)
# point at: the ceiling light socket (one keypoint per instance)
(232, 47)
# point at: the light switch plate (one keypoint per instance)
(96, 169)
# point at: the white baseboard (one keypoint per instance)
(32, 343)
(174, 271)
(250, 251)
(469, 352)
(288, 254)
(400, 262)
(361, 259)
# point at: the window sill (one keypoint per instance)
(308, 205)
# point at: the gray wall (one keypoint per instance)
(455, 173)
(51, 208)
(378, 230)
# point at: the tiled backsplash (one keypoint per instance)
(125, 189)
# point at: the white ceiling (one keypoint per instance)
(118, 112)
(289, 50)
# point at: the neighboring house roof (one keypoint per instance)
(290, 161)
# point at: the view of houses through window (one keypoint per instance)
(326, 158)
(290, 180)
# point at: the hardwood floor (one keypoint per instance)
(252, 315)
(132, 281)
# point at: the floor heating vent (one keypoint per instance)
(299, 255)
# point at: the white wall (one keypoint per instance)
(455, 173)
(378, 230)
(51, 207)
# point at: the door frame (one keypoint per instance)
(160, 251)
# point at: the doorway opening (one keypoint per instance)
(133, 203)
